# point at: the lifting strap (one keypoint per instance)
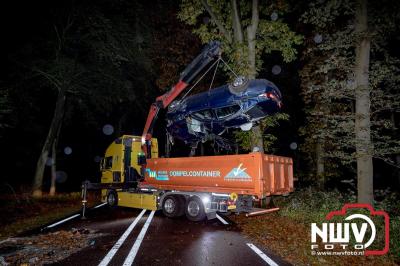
(205, 73)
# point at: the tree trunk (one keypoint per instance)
(54, 162)
(363, 102)
(257, 140)
(241, 60)
(237, 26)
(53, 170)
(201, 149)
(319, 154)
(398, 170)
(251, 39)
(55, 123)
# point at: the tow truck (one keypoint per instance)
(133, 175)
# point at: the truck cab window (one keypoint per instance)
(108, 162)
(227, 111)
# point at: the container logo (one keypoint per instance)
(158, 175)
(238, 174)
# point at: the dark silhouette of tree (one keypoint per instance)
(247, 31)
(349, 87)
(97, 61)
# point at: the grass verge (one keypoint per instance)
(288, 232)
(21, 212)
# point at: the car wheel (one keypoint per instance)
(237, 87)
(172, 206)
(112, 198)
(194, 209)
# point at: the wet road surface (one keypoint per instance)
(158, 240)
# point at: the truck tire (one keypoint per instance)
(112, 198)
(194, 209)
(172, 206)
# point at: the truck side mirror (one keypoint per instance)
(102, 164)
(141, 159)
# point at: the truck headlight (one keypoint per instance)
(205, 200)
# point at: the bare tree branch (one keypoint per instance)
(385, 160)
(216, 21)
(50, 78)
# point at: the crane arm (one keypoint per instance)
(209, 53)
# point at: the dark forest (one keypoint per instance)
(77, 75)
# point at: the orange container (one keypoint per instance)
(250, 174)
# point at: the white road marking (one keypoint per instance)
(73, 216)
(100, 205)
(135, 248)
(63, 221)
(120, 241)
(222, 220)
(262, 255)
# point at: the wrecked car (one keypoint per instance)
(207, 115)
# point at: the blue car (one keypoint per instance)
(207, 115)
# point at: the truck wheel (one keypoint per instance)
(112, 198)
(194, 209)
(171, 206)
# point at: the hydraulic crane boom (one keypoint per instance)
(209, 53)
(197, 186)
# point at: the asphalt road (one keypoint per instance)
(137, 237)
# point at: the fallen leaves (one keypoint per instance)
(291, 240)
(45, 248)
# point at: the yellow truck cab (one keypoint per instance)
(120, 164)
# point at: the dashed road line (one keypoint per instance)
(120, 241)
(262, 255)
(221, 219)
(63, 221)
(135, 248)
